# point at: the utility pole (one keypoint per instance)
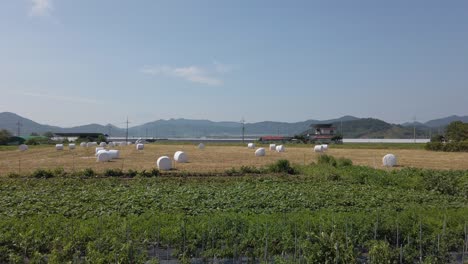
(243, 129)
(414, 128)
(19, 125)
(109, 129)
(126, 132)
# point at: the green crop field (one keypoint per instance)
(321, 214)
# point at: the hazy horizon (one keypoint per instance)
(70, 63)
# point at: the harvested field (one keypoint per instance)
(215, 158)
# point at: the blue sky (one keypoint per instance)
(68, 62)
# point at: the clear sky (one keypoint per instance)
(71, 62)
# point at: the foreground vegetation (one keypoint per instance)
(327, 212)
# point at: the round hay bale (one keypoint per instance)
(140, 146)
(23, 147)
(71, 146)
(111, 145)
(164, 163)
(251, 145)
(103, 156)
(180, 157)
(115, 154)
(201, 146)
(280, 148)
(59, 146)
(389, 160)
(260, 152)
(273, 147)
(318, 148)
(83, 144)
(98, 149)
(91, 144)
(102, 144)
(324, 147)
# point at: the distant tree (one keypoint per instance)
(457, 131)
(34, 134)
(101, 138)
(48, 134)
(4, 136)
(437, 138)
(338, 138)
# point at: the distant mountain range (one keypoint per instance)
(352, 127)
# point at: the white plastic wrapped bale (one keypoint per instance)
(83, 144)
(324, 147)
(389, 160)
(273, 147)
(318, 148)
(102, 144)
(59, 146)
(98, 149)
(23, 147)
(140, 146)
(115, 154)
(103, 156)
(91, 144)
(164, 163)
(111, 145)
(201, 146)
(180, 157)
(260, 152)
(71, 146)
(251, 145)
(280, 148)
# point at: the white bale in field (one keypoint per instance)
(318, 148)
(83, 144)
(103, 156)
(115, 154)
(201, 146)
(251, 145)
(324, 147)
(98, 149)
(260, 152)
(389, 160)
(164, 163)
(273, 147)
(140, 146)
(102, 144)
(71, 146)
(91, 144)
(180, 157)
(59, 146)
(111, 145)
(280, 148)
(23, 147)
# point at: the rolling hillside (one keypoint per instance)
(352, 127)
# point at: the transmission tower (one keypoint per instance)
(19, 125)
(243, 128)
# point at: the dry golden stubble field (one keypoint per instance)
(214, 158)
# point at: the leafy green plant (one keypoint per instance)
(113, 173)
(41, 173)
(282, 166)
(88, 172)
